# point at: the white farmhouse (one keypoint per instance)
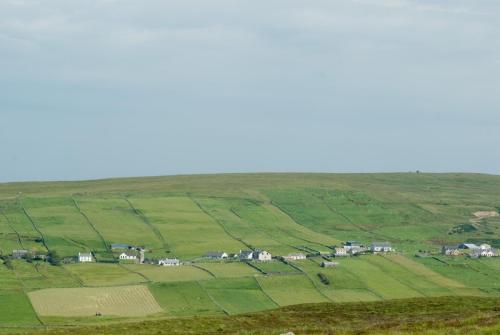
(85, 257)
(294, 257)
(169, 262)
(262, 255)
(127, 256)
(341, 252)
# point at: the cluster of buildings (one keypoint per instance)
(470, 249)
(351, 248)
(243, 255)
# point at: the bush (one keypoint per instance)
(324, 279)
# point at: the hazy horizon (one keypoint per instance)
(103, 89)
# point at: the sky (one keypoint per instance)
(110, 88)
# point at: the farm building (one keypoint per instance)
(340, 252)
(485, 246)
(262, 255)
(85, 257)
(119, 246)
(381, 247)
(294, 257)
(469, 246)
(18, 254)
(450, 250)
(245, 255)
(127, 256)
(169, 262)
(353, 247)
(217, 255)
(326, 264)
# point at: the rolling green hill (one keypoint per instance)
(188, 216)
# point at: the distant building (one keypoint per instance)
(326, 264)
(340, 252)
(381, 247)
(217, 255)
(470, 246)
(262, 255)
(127, 256)
(85, 257)
(169, 262)
(294, 257)
(354, 247)
(245, 255)
(450, 250)
(18, 254)
(485, 246)
(119, 246)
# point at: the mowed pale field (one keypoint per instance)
(187, 216)
(109, 301)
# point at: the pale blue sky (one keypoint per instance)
(109, 88)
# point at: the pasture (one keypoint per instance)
(187, 216)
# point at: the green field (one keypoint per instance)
(188, 216)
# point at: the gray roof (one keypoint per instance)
(119, 246)
(246, 253)
(84, 254)
(352, 243)
(215, 254)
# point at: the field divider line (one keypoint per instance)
(34, 225)
(223, 226)
(294, 221)
(216, 303)
(9, 223)
(146, 221)
(397, 279)
(25, 292)
(418, 275)
(265, 293)
(148, 281)
(74, 276)
(203, 269)
(92, 226)
(311, 280)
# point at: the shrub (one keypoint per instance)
(324, 279)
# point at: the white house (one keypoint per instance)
(169, 262)
(262, 255)
(340, 252)
(85, 257)
(381, 247)
(485, 246)
(294, 257)
(127, 256)
(487, 252)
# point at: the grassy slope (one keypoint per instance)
(186, 216)
(435, 316)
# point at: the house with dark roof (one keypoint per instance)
(245, 255)
(381, 247)
(216, 255)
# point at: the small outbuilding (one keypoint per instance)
(294, 257)
(326, 264)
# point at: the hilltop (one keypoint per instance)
(185, 217)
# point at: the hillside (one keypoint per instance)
(185, 217)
